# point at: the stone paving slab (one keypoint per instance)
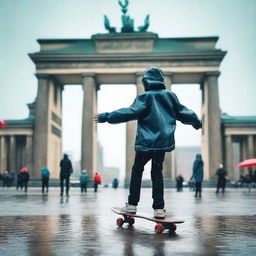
(82, 224)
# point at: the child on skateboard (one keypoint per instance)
(156, 111)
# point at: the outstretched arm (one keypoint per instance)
(124, 114)
(185, 115)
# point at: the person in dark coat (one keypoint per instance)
(45, 173)
(179, 183)
(156, 111)
(25, 177)
(115, 183)
(198, 174)
(222, 179)
(19, 184)
(66, 170)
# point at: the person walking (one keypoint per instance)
(156, 111)
(115, 183)
(25, 178)
(45, 179)
(222, 179)
(19, 183)
(179, 183)
(83, 180)
(66, 170)
(96, 181)
(198, 174)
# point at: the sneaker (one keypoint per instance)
(159, 213)
(129, 208)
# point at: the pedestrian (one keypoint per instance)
(115, 183)
(198, 174)
(11, 177)
(45, 179)
(25, 177)
(222, 178)
(254, 178)
(19, 184)
(5, 179)
(66, 170)
(83, 181)
(191, 185)
(179, 183)
(156, 111)
(96, 181)
(248, 180)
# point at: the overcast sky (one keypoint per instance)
(22, 22)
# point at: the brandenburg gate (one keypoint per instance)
(121, 58)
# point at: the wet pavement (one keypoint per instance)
(82, 224)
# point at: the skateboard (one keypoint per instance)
(161, 224)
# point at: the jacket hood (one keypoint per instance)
(198, 157)
(153, 79)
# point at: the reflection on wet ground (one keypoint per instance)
(84, 225)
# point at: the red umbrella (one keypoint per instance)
(3, 124)
(247, 163)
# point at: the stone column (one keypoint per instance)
(245, 154)
(41, 130)
(211, 138)
(12, 156)
(131, 128)
(29, 155)
(89, 128)
(130, 153)
(230, 158)
(3, 160)
(250, 146)
(168, 168)
(168, 80)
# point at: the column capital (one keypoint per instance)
(139, 73)
(42, 76)
(88, 74)
(168, 73)
(212, 73)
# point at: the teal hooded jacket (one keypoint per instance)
(156, 111)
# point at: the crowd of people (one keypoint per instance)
(194, 183)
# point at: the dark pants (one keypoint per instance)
(83, 186)
(221, 184)
(62, 178)
(95, 187)
(141, 158)
(26, 186)
(198, 188)
(45, 183)
(19, 185)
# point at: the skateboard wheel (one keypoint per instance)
(159, 228)
(173, 228)
(119, 222)
(131, 221)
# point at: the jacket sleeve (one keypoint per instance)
(185, 115)
(133, 112)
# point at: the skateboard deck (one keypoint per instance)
(161, 224)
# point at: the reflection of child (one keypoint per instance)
(156, 111)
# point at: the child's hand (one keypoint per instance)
(95, 118)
